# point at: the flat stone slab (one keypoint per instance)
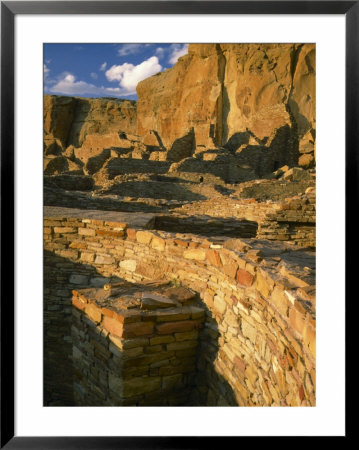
(131, 300)
(134, 220)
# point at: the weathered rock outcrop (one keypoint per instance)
(239, 96)
(238, 111)
(87, 126)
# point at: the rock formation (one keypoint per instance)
(80, 129)
(243, 97)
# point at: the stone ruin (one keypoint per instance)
(179, 236)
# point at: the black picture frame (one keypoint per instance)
(8, 12)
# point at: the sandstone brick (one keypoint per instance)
(103, 259)
(181, 243)
(136, 329)
(264, 284)
(158, 244)
(87, 257)
(173, 316)
(144, 237)
(93, 313)
(244, 278)
(79, 303)
(297, 320)
(131, 234)
(230, 318)
(161, 340)
(187, 336)
(214, 258)
(87, 232)
(197, 254)
(309, 339)
(219, 304)
(113, 326)
(239, 364)
(230, 269)
(128, 264)
(71, 254)
(110, 233)
(279, 299)
(249, 331)
(65, 230)
(135, 342)
(176, 327)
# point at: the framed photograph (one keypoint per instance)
(173, 243)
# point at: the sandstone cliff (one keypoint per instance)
(76, 129)
(238, 111)
(238, 96)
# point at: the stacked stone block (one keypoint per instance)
(133, 357)
(257, 345)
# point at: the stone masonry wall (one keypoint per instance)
(257, 346)
(133, 357)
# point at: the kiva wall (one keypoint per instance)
(257, 346)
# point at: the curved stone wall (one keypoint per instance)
(257, 346)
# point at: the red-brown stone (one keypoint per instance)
(113, 326)
(214, 258)
(240, 364)
(131, 234)
(176, 327)
(245, 278)
(136, 329)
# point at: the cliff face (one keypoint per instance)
(235, 95)
(77, 130)
(72, 120)
(239, 111)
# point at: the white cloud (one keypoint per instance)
(160, 52)
(177, 50)
(94, 75)
(129, 49)
(129, 75)
(68, 85)
(103, 66)
(46, 71)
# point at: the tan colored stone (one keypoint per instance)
(249, 331)
(87, 232)
(113, 326)
(195, 254)
(214, 258)
(279, 299)
(158, 244)
(93, 312)
(219, 304)
(144, 237)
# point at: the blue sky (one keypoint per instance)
(104, 70)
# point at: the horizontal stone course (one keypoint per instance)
(259, 312)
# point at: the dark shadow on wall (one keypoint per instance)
(154, 189)
(61, 276)
(82, 109)
(80, 200)
(211, 387)
(207, 226)
(283, 150)
(66, 385)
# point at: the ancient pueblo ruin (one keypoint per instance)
(179, 235)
